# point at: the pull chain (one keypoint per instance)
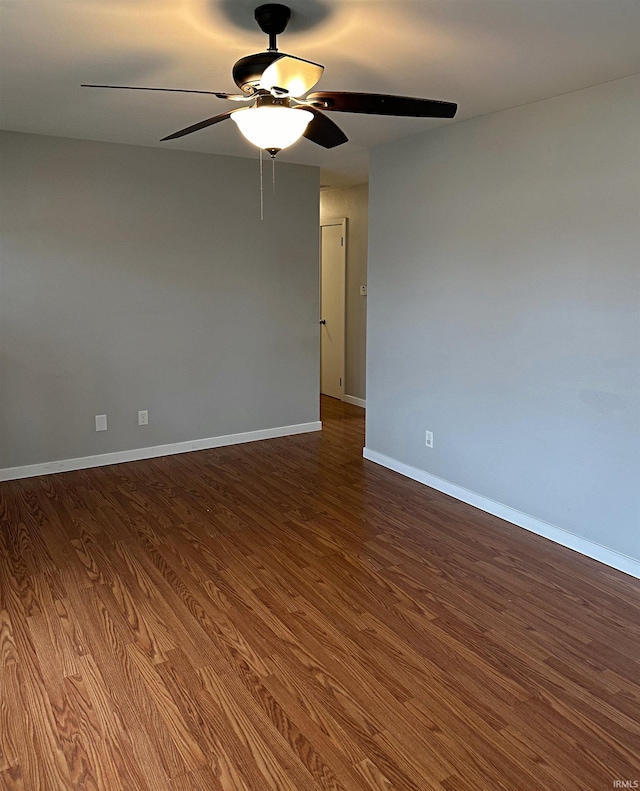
(261, 190)
(273, 181)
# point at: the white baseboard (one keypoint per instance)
(84, 462)
(582, 545)
(355, 401)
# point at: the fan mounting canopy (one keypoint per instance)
(273, 18)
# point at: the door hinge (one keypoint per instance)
(342, 241)
(340, 381)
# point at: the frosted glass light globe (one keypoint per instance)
(272, 128)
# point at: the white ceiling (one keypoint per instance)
(487, 55)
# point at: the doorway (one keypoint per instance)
(333, 260)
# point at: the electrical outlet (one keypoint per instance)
(428, 439)
(101, 422)
(143, 417)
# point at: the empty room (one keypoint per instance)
(319, 395)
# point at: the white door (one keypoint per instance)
(332, 307)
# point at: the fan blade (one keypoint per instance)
(322, 130)
(201, 125)
(292, 75)
(381, 104)
(235, 97)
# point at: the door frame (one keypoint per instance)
(342, 221)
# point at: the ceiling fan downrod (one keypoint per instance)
(273, 19)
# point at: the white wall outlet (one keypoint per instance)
(101, 422)
(143, 417)
(363, 291)
(428, 439)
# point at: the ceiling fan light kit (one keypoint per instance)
(276, 84)
(272, 126)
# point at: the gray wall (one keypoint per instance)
(504, 309)
(138, 278)
(353, 203)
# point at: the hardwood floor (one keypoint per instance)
(284, 616)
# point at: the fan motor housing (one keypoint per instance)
(248, 71)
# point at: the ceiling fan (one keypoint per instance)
(279, 113)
